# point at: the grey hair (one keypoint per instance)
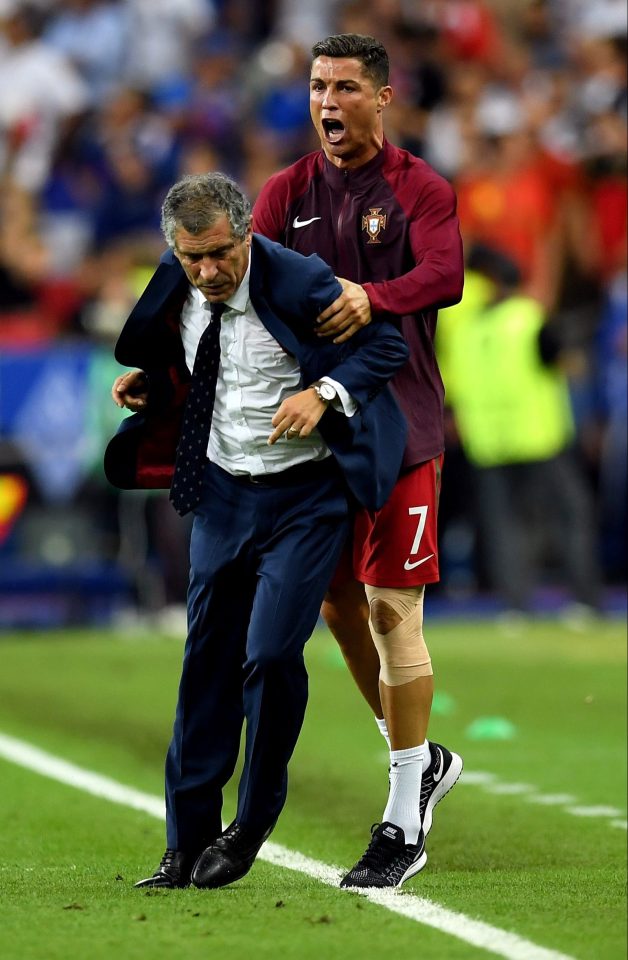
(195, 203)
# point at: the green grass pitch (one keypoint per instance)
(504, 849)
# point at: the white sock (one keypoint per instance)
(427, 756)
(383, 729)
(403, 807)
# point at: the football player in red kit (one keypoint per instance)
(386, 223)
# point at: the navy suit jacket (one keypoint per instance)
(288, 291)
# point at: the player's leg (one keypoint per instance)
(406, 686)
(395, 552)
(346, 613)
(408, 709)
(406, 705)
(397, 848)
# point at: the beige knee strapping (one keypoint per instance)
(403, 655)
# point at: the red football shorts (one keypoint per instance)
(397, 545)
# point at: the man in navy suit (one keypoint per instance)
(276, 432)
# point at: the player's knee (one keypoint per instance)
(390, 606)
(331, 613)
(345, 610)
(384, 617)
(403, 654)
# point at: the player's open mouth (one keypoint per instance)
(334, 130)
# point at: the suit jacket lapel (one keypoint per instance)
(282, 333)
(155, 316)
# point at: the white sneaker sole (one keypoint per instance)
(414, 868)
(443, 788)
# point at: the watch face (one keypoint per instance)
(327, 391)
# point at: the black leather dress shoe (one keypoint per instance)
(228, 858)
(174, 870)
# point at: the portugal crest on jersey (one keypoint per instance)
(374, 222)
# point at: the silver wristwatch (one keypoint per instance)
(324, 391)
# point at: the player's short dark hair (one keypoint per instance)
(195, 203)
(369, 51)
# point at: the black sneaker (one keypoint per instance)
(437, 780)
(388, 860)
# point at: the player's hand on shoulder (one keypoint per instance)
(346, 315)
(131, 390)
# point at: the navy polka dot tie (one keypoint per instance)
(192, 450)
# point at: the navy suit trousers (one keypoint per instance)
(262, 558)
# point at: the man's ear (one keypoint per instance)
(384, 96)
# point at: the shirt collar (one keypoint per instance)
(357, 177)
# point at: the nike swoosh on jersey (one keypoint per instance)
(296, 223)
(408, 565)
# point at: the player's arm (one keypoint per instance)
(269, 210)
(437, 278)
(435, 281)
(374, 355)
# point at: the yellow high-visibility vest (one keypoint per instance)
(509, 406)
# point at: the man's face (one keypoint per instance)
(346, 110)
(214, 261)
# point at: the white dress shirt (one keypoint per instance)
(254, 377)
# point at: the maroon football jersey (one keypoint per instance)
(391, 226)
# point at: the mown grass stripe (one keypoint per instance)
(474, 932)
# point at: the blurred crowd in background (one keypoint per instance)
(521, 104)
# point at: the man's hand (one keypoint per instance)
(346, 315)
(297, 416)
(131, 390)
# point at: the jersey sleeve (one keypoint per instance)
(269, 211)
(434, 233)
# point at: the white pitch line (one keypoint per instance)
(594, 812)
(509, 789)
(25, 755)
(552, 799)
(473, 777)
(490, 783)
(475, 932)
